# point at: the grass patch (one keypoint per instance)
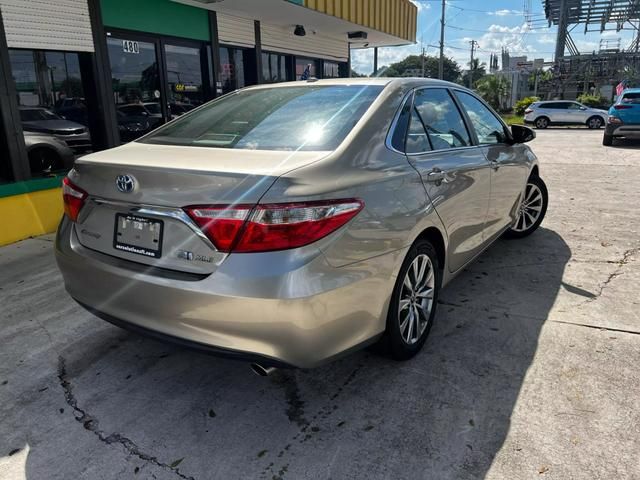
(512, 119)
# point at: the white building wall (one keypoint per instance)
(234, 30)
(281, 39)
(47, 24)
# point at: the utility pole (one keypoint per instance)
(441, 60)
(422, 62)
(474, 44)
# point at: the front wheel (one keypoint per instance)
(532, 209)
(413, 303)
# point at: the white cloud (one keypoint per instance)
(505, 12)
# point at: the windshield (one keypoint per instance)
(33, 115)
(283, 118)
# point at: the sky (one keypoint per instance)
(519, 25)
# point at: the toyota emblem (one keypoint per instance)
(125, 183)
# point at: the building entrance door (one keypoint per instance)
(155, 79)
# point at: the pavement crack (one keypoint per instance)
(626, 256)
(91, 424)
(598, 327)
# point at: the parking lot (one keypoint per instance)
(532, 369)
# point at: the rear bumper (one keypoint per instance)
(625, 130)
(296, 311)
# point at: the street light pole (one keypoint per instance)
(441, 60)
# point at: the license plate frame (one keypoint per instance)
(131, 241)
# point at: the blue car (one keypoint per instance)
(624, 117)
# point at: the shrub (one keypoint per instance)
(592, 100)
(523, 104)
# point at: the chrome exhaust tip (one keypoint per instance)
(261, 370)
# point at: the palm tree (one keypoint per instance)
(494, 89)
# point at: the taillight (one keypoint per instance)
(73, 197)
(622, 107)
(264, 228)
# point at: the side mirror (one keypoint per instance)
(522, 134)
(583, 108)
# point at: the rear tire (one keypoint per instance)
(595, 122)
(532, 209)
(541, 123)
(412, 308)
(607, 140)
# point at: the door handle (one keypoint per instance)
(436, 176)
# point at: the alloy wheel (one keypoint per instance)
(595, 122)
(530, 208)
(416, 299)
(542, 123)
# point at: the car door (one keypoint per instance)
(509, 169)
(455, 173)
(577, 113)
(561, 112)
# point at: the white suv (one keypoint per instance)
(562, 112)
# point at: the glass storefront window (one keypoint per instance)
(330, 70)
(232, 68)
(306, 68)
(53, 112)
(136, 86)
(184, 78)
(274, 67)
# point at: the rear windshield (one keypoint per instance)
(283, 118)
(631, 98)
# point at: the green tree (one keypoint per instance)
(494, 89)
(478, 71)
(412, 66)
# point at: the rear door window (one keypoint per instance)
(441, 118)
(315, 117)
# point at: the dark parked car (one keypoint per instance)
(42, 120)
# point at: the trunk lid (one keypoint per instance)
(147, 224)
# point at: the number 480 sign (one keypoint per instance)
(129, 46)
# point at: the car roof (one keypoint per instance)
(380, 81)
(631, 90)
(557, 101)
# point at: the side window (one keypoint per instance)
(417, 139)
(574, 106)
(441, 118)
(489, 129)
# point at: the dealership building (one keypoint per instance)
(86, 75)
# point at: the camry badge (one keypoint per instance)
(125, 183)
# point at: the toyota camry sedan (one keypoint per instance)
(289, 224)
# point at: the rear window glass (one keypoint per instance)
(282, 118)
(631, 98)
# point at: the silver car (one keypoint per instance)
(562, 112)
(288, 224)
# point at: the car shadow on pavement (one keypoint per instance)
(624, 143)
(173, 413)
